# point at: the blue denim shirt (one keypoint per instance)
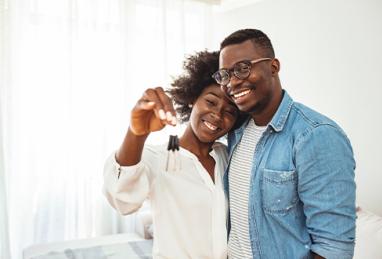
(302, 190)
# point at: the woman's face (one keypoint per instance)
(212, 115)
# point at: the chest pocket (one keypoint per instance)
(279, 191)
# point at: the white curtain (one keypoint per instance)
(4, 233)
(4, 237)
(71, 71)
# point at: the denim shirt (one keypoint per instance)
(302, 189)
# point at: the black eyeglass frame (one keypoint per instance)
(234, 70)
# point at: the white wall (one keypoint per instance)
(331, 56)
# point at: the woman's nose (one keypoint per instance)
(216, 114)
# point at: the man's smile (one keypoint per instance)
(240, 93)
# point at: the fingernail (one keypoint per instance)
(162, 115)
(173, 121)
(169, 116)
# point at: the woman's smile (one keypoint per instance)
(211, 126)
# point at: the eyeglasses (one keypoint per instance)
(241, 70)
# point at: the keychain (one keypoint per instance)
(173, 159)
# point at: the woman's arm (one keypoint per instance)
(131, 149)
(127, 180)
(153, 111)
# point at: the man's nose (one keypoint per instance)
(233, 82)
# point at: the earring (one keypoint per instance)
(190, 106)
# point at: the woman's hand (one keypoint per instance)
(153, 111)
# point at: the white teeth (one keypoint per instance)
(210, 126)
(241, 93)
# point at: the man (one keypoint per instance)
(290, 180)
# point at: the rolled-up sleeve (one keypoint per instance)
(125, 187)
(325, 165)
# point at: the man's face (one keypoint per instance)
(253, 94)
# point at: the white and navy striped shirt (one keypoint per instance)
(239, 245)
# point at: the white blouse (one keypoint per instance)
(189, 209)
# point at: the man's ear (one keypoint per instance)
(275, 66)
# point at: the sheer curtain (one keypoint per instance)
(4, 234)
(4, 238)
(71, 71)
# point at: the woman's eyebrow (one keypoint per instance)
(217, 96)
(212, 93)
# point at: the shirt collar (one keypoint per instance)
(279, 118)
(282, 113)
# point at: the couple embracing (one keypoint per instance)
(282, 188)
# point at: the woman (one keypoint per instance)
(188, 206)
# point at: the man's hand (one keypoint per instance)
(152, 112)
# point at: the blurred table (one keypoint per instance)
(120, 246)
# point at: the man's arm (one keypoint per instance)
(325, 165)
(316, 256)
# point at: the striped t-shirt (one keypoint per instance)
(239, 245)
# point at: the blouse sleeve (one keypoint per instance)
(127, 187)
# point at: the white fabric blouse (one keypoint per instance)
(189, 209)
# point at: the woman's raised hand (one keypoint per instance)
(153, 111)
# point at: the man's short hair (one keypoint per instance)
(257, 37)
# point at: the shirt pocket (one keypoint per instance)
(279, 191)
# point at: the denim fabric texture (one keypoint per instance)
(302, 190)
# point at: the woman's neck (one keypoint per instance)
(190, 142)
